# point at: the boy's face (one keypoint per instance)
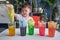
(26, 11)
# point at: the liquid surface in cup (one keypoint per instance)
(11, 30)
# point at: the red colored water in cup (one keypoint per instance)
(42, 30)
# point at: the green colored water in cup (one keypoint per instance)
(30, 26)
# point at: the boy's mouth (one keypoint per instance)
(25, 15)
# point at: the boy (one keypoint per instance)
(25, 10)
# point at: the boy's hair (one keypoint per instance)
(26, 5)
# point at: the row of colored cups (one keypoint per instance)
(42, 27)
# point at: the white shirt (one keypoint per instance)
(20, 18)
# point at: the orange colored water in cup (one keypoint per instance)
(51, 30)
(11, 30)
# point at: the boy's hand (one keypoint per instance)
(10, 6)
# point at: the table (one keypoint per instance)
(36, 36)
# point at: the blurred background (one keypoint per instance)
(45, 8)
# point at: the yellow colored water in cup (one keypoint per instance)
(11, 30)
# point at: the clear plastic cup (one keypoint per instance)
(11, 29)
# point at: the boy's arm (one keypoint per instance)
(15, 15)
